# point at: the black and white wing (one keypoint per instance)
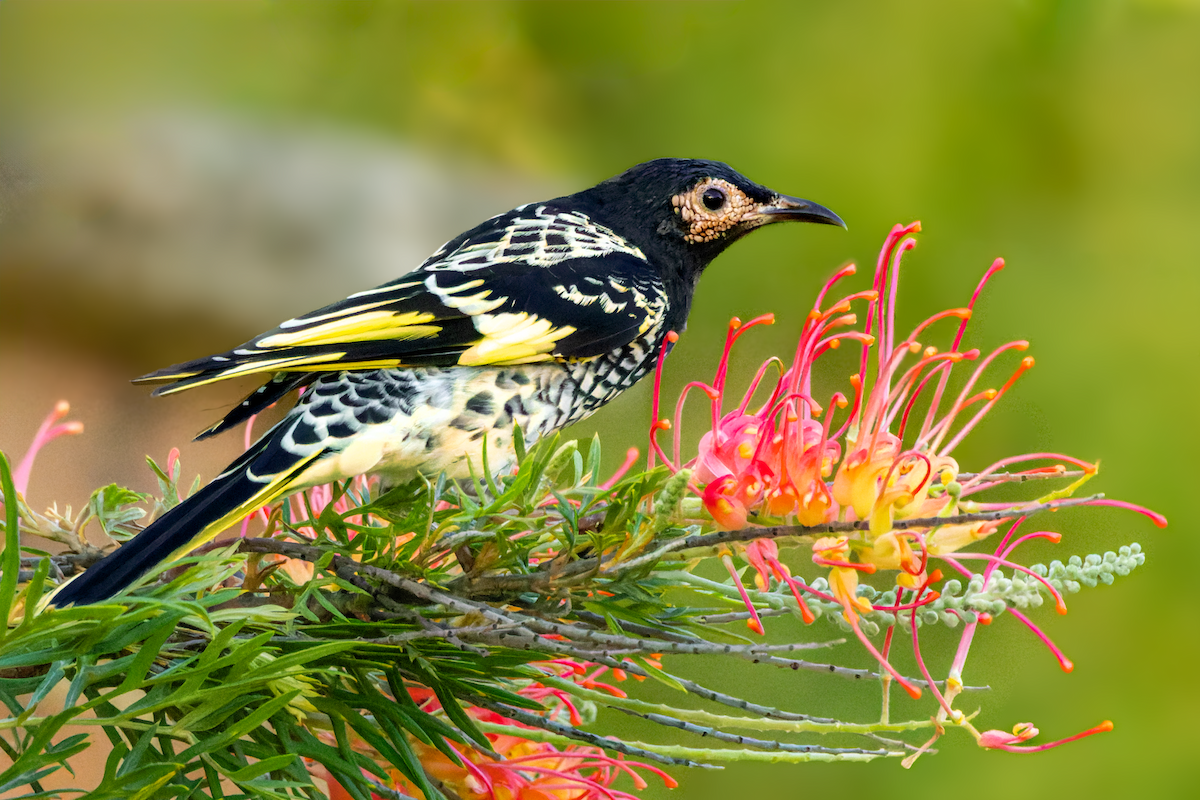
(533, 285)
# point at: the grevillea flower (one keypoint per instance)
(885, 456)
(525, 770)
(48, 431)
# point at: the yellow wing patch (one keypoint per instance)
(366, 326)
(322, 362)
(513, 339)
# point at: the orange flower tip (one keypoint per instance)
(856, 379)
(935, 576)
(672, 337)
(735, 323)
(867, 568)
(1104, 727)
(768, 318)
(984, 618)
(813, 315)
(61, 409)
(1027, 362)
(756, 626)
(834, 344)
(915, 227)
(913, 691)
(840, 400)
(930, 351)
(1067, 664)
(868, 340)
(1060, 607)
(990, 394)
(664, 424)
(619, 674)
(914, 347)
(73, 427)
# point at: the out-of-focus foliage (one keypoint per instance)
(1064, 134)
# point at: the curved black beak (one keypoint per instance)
(783, 208)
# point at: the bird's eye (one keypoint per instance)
(713, 198)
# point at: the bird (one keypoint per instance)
(528, 322)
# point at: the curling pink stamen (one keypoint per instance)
(631, 456)
(1103, 727)
(755, 623)
(1061, 657)
(46, 433)
(1025, 366)
(1158, 519)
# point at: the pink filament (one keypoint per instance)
(46, 433)
(1063, 661)
(1155, 517)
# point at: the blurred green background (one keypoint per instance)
(1064, 136)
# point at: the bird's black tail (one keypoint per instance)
(261, 475)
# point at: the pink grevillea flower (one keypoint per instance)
(526, 770)
(1024, 731)
(48, 431)
(877, 453)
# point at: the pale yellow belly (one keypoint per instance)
(448, 430)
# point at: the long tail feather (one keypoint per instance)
(261, 398)
(242, 488)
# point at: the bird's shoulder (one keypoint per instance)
(536, 234)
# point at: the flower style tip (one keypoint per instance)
(631, 457)
(755, 622)
(1158, 519)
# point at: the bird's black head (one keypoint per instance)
(686, 211)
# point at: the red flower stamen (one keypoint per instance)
(998, 744)
(47, 432)
(1158, 519)
(755, 622)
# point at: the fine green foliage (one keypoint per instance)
(364, 633)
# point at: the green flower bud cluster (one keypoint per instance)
(666, 502)
(1092, 570)
(958, 603)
